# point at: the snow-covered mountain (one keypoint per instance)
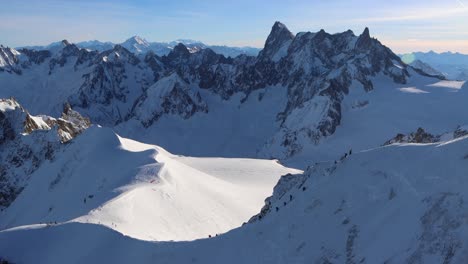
(382, 143)
(452, 65)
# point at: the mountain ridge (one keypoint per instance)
(138, 44)
(314, 69)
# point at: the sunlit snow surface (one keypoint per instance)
(412, 90)
(390, 202)
(143, 191)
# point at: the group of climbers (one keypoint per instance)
(347, 154)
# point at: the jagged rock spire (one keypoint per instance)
(278, 38)
(364, 40)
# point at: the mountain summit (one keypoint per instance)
(277, 42)
(136, 44)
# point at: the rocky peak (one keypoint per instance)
(118, 54)
(61, 57)
(277, 42)
(65, 43)
(179, 54)
(136, 44)
(70, 49)
(137, 40)
(364, 41)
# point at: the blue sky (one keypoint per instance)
(409, 25)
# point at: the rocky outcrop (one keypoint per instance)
(277, 43)
(282, 195)
(70, 124)
(26, 141)
(420, 136)
(423, 137)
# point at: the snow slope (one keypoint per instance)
(142, 191)
(403, 203)
(370, 119)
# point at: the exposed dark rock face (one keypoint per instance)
(178, 55)
(420, 136)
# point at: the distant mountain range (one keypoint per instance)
(137, 44)
(452, 65)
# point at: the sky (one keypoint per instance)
(403, 25)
